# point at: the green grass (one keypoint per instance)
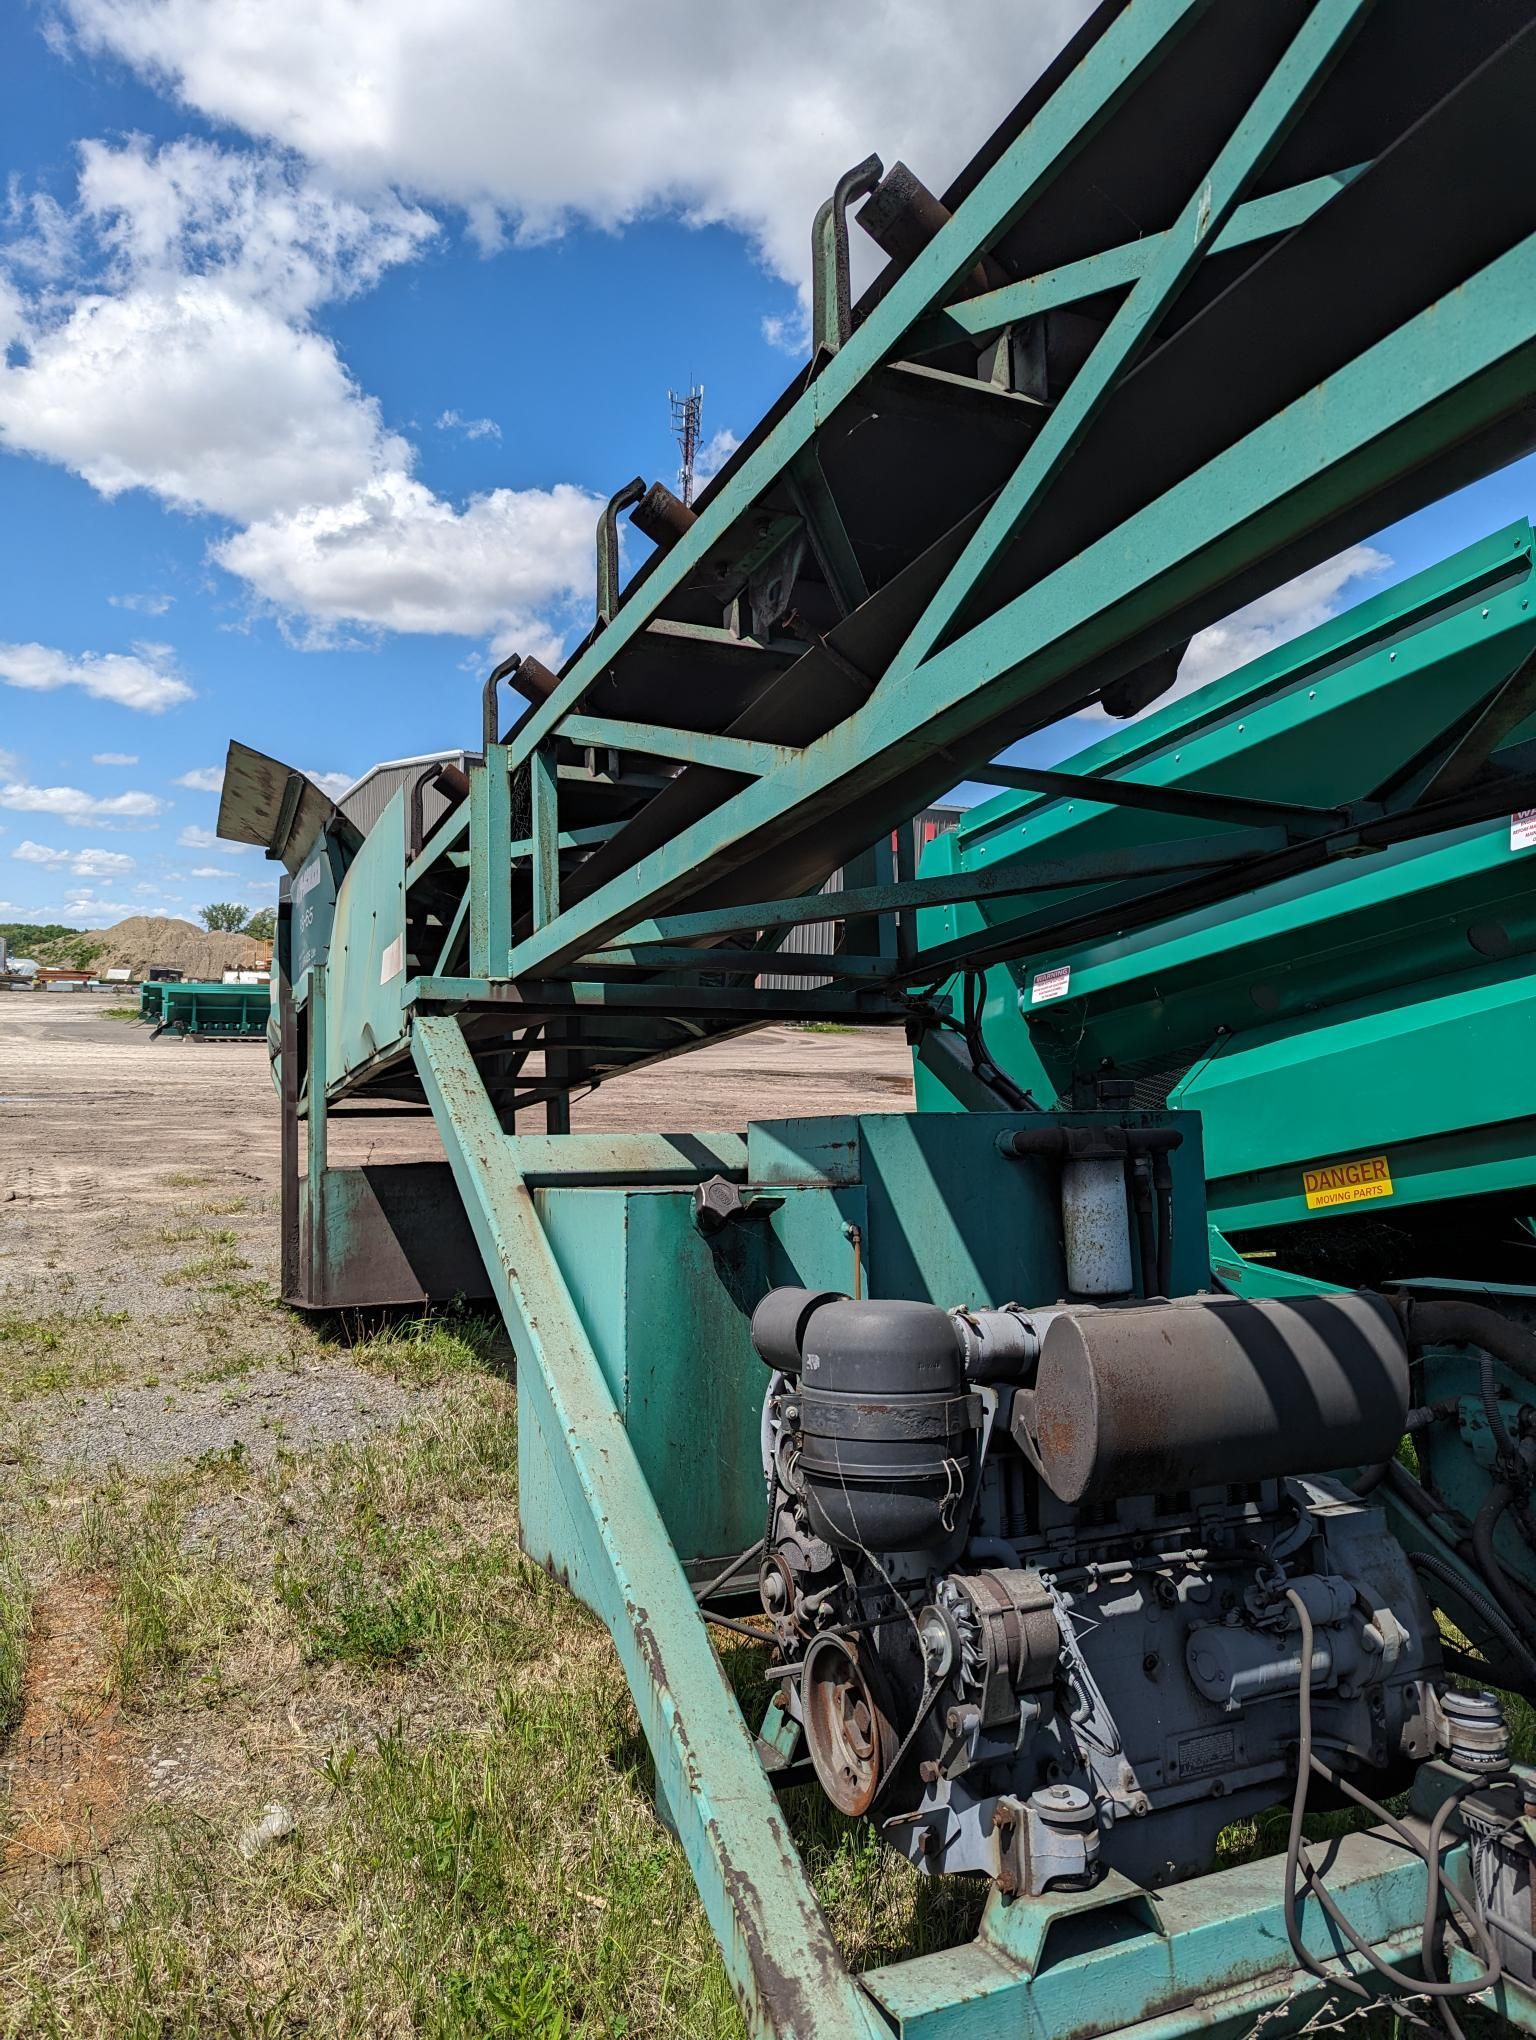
(213, 1268)
(425, 1350)
(120, 1013)
(64, 1352)
(15, 1624)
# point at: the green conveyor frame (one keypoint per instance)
(1357, 1040)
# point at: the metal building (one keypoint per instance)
(366, 799)
(814, 937)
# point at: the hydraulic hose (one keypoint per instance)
(1452, 1323)
(1497, 1621)
(1503, 1589)
(1298, 1862)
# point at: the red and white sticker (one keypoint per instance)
(1051, 984)
(1522, 830)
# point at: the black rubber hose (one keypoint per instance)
(1503, 1589)
(1450, 1323)
(1431, 1562)
(1146, 1232)
(1162, 1184)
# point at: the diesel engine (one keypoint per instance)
(1037, 1576)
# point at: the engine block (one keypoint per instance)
(1029, 1634)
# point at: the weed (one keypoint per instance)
(216, 1267)
(120, 1013)
(15, 1623)
(62, 1352)
(422, 1351)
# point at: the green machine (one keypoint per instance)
(1060, 1550)
(187, 1006)
(1357, 1039)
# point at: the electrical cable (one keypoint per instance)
(982, 1064)
(1297, 1862)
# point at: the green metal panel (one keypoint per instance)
(645, 1282)
(1208, 1956)
(367, 961)
(1437, 1080)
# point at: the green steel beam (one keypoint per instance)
(778, 1948)
(565, 998)
(490, 876)
(316, 1079)
(1457, 367)
(1128, 51)
(650, 740)
(1163, 800)
(545, 842)
(740, 962)
(1187, 854)
(1280, 102)
(649, 1159)
(978, 318)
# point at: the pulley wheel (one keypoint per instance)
(847, 1729)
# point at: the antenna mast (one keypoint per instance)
(687, 424)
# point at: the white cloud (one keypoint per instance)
(714, 453)
(172, 349)
(621, 110)
(81, 863)
(69, 804)
(1274, 619)
(472, 428)
(114, 757)
(150, 605)
(144, 678)
(194, 838)
(333, 783)
(398, 556)
(211, 871)
(203, 779)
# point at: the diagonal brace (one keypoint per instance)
(1280, 103)
(778, 1947)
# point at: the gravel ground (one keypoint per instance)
(139, 1209)
(142, 1430)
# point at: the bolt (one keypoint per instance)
(1150, 1663)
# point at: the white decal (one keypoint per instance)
(393, 961)
(1522, 830)
(1051, 984)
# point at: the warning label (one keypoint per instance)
(1347, 1183)
(1522, 830)
(1051, 984)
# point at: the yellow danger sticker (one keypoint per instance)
(1347, 1182)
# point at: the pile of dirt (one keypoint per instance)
(144, 939)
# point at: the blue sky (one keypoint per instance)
(326, 324)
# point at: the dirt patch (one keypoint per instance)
(143, 941)
(64, 1770)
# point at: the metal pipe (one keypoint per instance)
(1162, 1185)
